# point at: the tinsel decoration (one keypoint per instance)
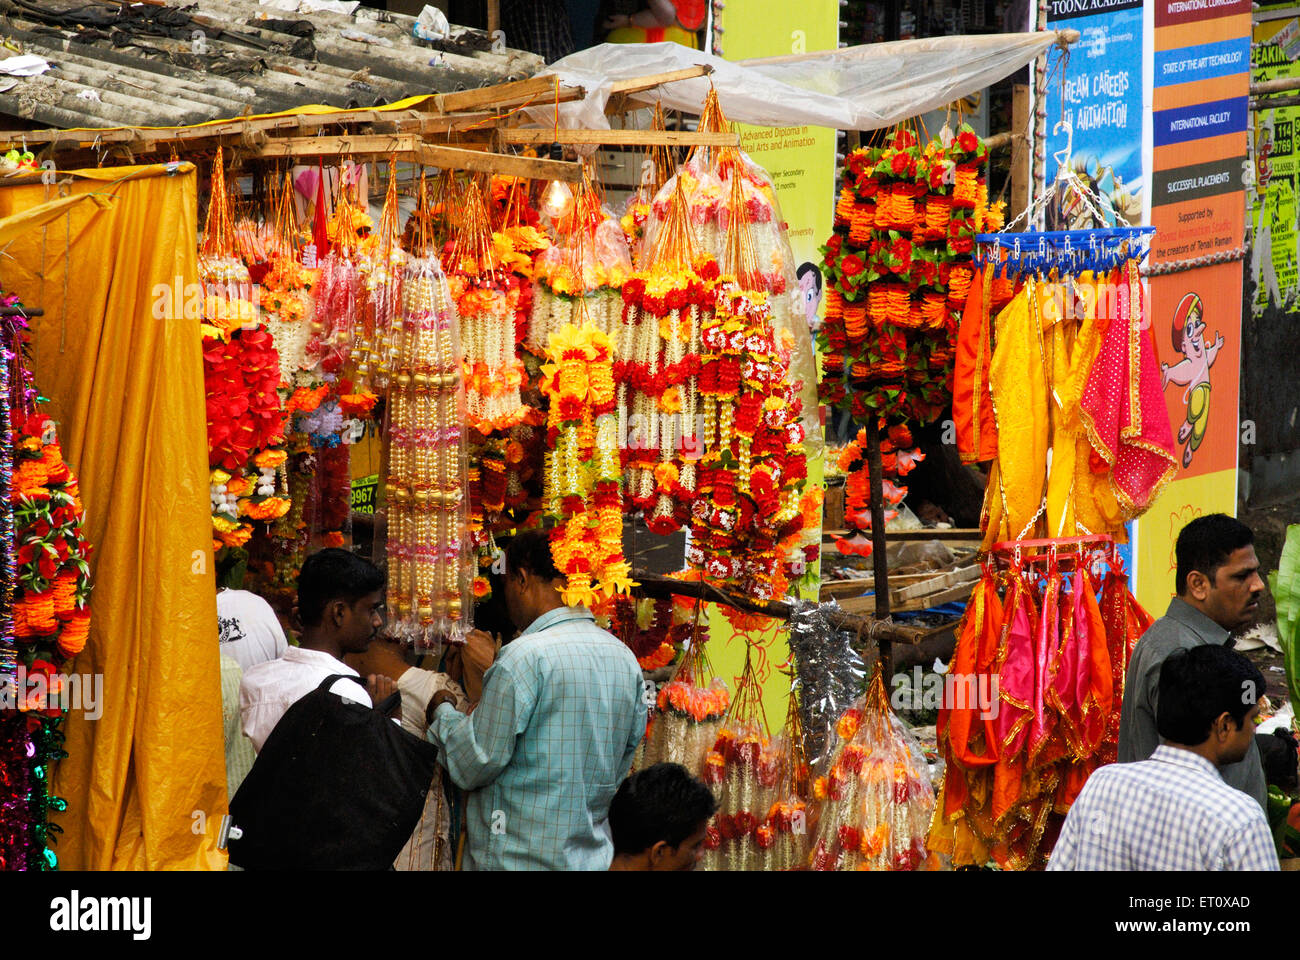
(829, 676)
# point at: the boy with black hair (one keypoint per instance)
(1174, 811)
(659, 817)
(563, 709)
(340, 599)
(1219, 587)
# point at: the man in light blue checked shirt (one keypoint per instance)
(563, 709)
(1174, 811)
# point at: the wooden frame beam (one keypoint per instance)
(410, 147)
(622, 138)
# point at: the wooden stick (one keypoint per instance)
(623, 138)
(530, 168)
(880, 560)
(652, 585)
(650, 81)
(410, 147)
(540, 90)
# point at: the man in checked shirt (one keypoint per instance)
(563, 709)
(1174, 811)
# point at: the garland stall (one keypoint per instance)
(1061, 391)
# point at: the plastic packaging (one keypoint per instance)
(878, 798)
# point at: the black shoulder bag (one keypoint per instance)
(337, 786)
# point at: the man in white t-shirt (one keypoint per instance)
(340, 599)
(250, 633)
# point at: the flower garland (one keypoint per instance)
(754, 467)
(583, 469)
(428, 540)
(241, 371)
(487, 300)
(579, 279)
(743, 768)
(653, 629)
(898, 268)
(690, 708)
(47, 586)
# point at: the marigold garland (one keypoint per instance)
(583, 469)
(897, 270)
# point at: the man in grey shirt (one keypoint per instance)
(1219, 587)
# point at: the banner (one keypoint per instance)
(1097, 91)
(801, 162)
(1275, 241)
(1199, 96)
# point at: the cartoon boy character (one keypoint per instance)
(1192, 372)
(810, 293)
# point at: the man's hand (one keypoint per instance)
(380, 689)
(479, 654)
(441, 697)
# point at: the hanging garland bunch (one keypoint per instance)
(665, 308)
(898, 267)
(583, 470)
(753, 466)
(584, 271)
(46, 617)
(241, 371)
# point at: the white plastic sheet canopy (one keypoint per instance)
(855, 88)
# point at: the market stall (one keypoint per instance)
(505, 349)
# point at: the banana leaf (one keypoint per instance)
(1285, 585)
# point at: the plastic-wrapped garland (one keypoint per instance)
(743, 769)
(339, 296)
(690, 709)
(380, 271)
(667, 306)
(877, 798)
(428, 545)
(784, 836)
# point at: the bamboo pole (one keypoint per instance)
(879, 557)
(622, 138)
(654, 586)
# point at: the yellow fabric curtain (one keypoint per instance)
(127, 394)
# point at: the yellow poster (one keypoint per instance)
(1156, 531)
(801, 162)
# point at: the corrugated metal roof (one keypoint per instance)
(167, 64)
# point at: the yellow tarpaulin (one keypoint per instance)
(145, 783)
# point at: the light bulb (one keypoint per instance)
(557, 201)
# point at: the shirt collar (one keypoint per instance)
(1184, 758)
(558, 615)
(318, 658)
(1197, 622)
